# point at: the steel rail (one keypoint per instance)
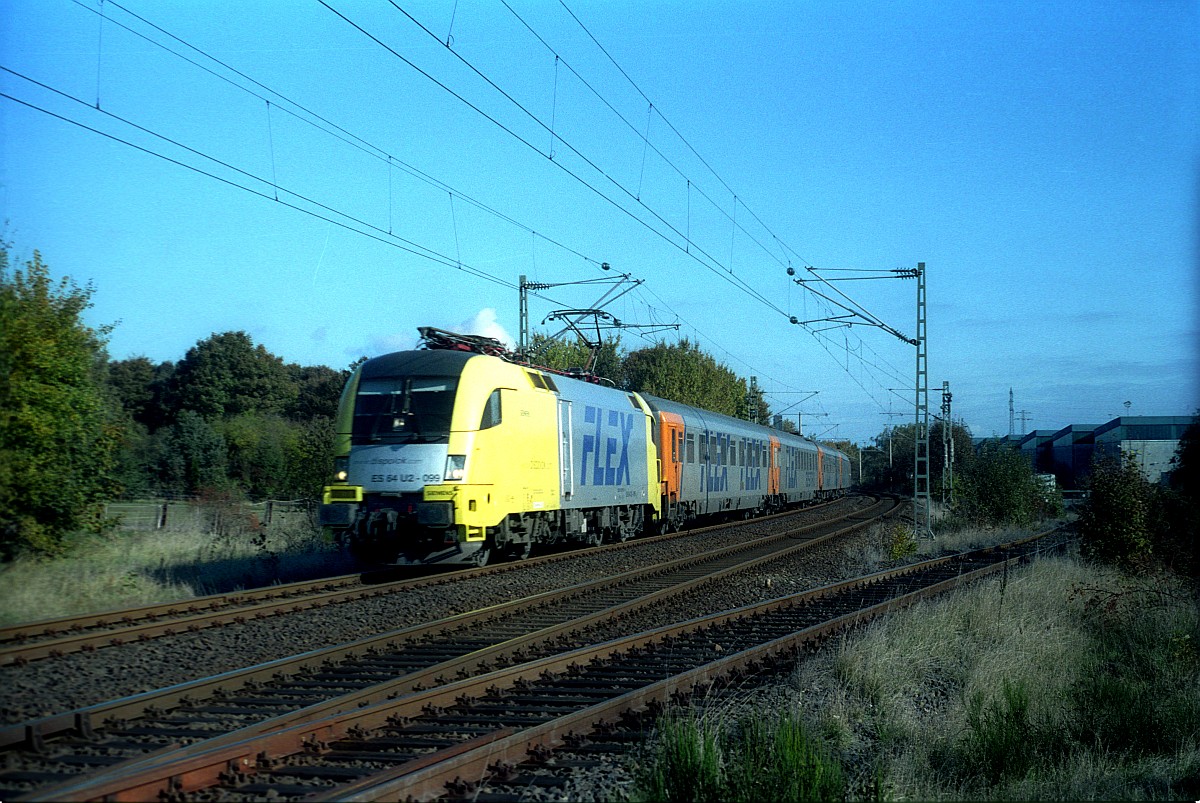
(49, 638)
(467, 771)
(84, 721)
(186, 771)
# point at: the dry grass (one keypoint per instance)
(991, 692)
(127, 569)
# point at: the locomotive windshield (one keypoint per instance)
(408, 409)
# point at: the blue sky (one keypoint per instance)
(1040, 158)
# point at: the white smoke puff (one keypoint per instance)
(385, 344)
(485, 324)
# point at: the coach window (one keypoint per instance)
(691, 448)
(491, 411)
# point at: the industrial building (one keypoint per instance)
(1068, 453)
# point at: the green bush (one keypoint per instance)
(688, 763)
(1117, 520)
(997, 487)
(899, 541)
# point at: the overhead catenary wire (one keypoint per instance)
(351, 222)
(647, 145)
(712, 264)
(318, 121)
(348, 222)
(671, 126)
(732, 217)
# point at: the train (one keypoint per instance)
(459, 452)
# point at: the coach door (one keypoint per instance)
(773, 473)
(820, 469)
(566, 456)
(670, 446)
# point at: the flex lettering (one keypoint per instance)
(753, 472)
(608, 442)
(718, 473)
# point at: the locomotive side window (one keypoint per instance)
(404, 410)
(491, 411)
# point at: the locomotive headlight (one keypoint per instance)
(341, 468)
(456, 468)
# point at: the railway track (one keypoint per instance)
(372, 670)
(488, 737)
(20, 644)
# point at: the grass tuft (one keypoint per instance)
(755, 760)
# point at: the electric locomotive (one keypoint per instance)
(447, 455)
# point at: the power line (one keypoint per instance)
(715, 267)
(725, 274)
(640, 135)
(360, 226)
(326, 125)
(671, 126)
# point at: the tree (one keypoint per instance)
(59, 433)
(683, 373)
(895, 473)
(318, 389)
(193, 456)
(1178, 542)
(573, 355)
(310, 459)
(227, 375)
(142, 388)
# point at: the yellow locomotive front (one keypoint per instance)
(433, 448)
